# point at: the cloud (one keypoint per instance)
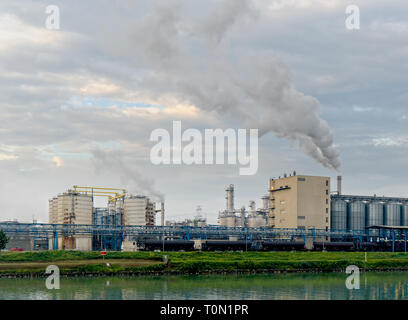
(289, 68)
(401, 141)
(58, 161)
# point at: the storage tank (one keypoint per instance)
(356, 216)
(404, 214)
(338, 219)
(392, 214)
(375, 214)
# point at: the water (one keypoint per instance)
(324, 286)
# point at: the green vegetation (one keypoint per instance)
(197, 262)
(3, 240)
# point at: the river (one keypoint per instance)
(323, 286)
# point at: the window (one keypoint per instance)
(327, 210)
(327, 220)
(327, 201)
(301, 179)
(327, 183)
(327, 191)
(301, 217)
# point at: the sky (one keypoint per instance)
(78, 104)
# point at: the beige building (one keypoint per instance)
(139, 211)
(300, 202)
(72, 208)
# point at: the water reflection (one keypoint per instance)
(373, 286)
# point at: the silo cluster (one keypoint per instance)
(356, 215)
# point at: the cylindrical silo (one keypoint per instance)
(375, 214)
(404, 214)
(392, 214)
(338, 220)
(356, 216)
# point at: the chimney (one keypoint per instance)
(339, 185)
(230, 199)
(162, 213)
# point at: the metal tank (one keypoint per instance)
(375, 213)
(338, 220)
(404, 214)
(356, 216)
(375, 216)
(392, 214)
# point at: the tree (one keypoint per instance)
(3, 240)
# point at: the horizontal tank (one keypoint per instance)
(392, 214)
(338, 220)
(357, 216)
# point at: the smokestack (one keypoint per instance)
(339, 185)
(230, 199)
(162, 212)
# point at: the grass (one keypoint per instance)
(197, 262)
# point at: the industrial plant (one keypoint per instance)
(252, 218)
(300, 212)
(76, 207)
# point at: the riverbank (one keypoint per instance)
(76, 263)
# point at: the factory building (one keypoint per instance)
(306, 202)
(76, 206)
(139, 211)
(299, 201)
(72, 207)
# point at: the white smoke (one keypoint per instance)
(190, 60)
(113, 161)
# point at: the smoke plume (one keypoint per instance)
(191, 59)
(113, 161)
